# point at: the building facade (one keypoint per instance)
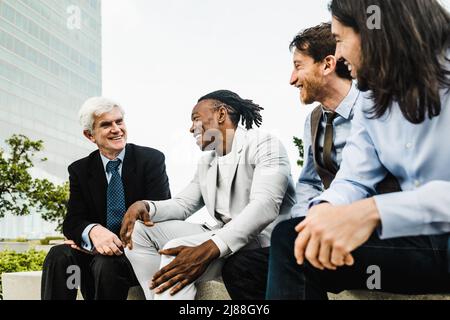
(50, 62)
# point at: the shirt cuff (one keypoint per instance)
(152, 207)
(329, 196)
(85, 240)
(399, 218)
(298, 211)
(314, 203)
(223, 247)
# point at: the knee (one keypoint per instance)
(284, 233)
(166, 259)
(138, 236)
(107, 266)
(60, 255)
(173, 244)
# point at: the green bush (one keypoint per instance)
(11, 261)
(301, 151)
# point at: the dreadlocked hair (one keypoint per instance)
(238, 109)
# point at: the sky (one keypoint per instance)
(159, 57)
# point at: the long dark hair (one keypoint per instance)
(406, 60)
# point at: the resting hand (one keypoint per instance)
(105, 242)
(329, 234)
(74, 246)
(190, 263)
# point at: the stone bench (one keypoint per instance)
(27, 286)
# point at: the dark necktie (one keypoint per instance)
(328, 143)
(115, 199)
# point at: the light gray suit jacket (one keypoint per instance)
(262, 192)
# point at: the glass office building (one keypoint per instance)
(50, 62)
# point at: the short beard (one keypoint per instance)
(312, 87)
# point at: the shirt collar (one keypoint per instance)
(105, 160)
(345, 108)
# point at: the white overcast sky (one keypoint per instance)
(159, 57)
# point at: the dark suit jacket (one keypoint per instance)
(143, 175)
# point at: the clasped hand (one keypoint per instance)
(328, 235)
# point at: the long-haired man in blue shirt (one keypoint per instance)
(404, 59)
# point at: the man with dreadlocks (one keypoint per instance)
(243, 180)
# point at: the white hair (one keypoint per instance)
(93, 107)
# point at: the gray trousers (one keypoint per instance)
(146, 260)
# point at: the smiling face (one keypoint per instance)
(109, 133)
(205, 125)
(307, 77)
(348, 46)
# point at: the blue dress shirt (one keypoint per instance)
(418, 155)
(309, 184)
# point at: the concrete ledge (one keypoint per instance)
(22, 285)
(15, 246)
(22, 247)
(212, 290)
(373, 295)
(27, 286)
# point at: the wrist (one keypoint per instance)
(371, 212)
(93, 232)
(212, 249)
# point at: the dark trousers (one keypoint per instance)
(245, 274)
(102, 277)
(411, 265)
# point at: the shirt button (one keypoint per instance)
(417, 183)
(409, 145)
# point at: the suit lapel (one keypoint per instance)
(211, 185)
(236, 151)
(129, 177)
(211, 176)
(98, 184)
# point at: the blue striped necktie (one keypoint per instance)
(115, 199)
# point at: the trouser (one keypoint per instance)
(146, 260)
(100, 277)
(410, 265)
(245, 274)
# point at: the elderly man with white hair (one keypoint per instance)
(102, 186)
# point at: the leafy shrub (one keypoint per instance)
(11, 261)
(301, 151)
